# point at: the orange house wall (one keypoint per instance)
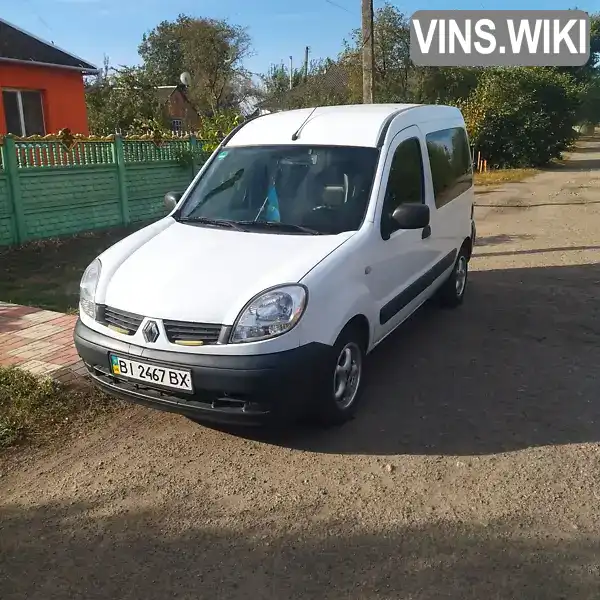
(63, 95)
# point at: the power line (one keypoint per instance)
(39, 18)
(340, 6)
(351, 12)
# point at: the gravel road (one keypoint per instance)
(473, 470)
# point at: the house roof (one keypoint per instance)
(164, 92)
(19, 46)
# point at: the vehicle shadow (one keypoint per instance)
(539, 204)
(562, 249)
(514, 367)
(82, 550)
(574, 165)
(502, 238)
(586, 149)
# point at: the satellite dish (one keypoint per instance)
(186, 79)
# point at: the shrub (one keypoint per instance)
(522, 117)
(213, 129)
(589, 109)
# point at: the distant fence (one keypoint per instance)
(51, 187)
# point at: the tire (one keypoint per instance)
(452, 292)
(337, 403)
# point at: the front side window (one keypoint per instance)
(451, 165)
(303, 189)
(23, 112)
(405, 181)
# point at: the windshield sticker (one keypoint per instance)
(222, 155)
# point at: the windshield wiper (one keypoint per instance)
(214, 222)
(227, 184)
(281, 226)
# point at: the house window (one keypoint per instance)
(176, 125)
(23, 112)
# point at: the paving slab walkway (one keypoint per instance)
(39, 341)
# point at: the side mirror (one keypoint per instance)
(411, 216)
(171, 200)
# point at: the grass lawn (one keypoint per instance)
(34, 409)
(46, 274)
(500, 176)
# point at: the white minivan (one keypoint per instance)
(307, 238)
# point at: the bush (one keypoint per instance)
(209, 135)
(589, 109)
(212, 130)
(522, 117)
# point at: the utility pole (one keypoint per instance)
(368, 51)
(306, 51)
(291, 74)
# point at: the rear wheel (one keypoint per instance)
(343, 378)
(452, 293)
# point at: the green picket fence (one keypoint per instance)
(49, 190)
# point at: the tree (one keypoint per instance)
(325, 84)
(588, 78)
(397, 79)
(392, 55)
(522, 117)
(443, 85)
(162, 51)
(585, 72)
(589, 108)
(211, 50)
(121, 97)
(277, 80)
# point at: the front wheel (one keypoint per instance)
(452, 293)
(342, 382)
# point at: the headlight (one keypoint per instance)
(270, 314)
(87, 289)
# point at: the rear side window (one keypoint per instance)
(450, 160)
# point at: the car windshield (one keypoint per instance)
(284, 189)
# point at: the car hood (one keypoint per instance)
(185, 272)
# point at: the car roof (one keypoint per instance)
(348, 125)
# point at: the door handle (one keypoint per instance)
(426, 232)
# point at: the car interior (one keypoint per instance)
(320, 191)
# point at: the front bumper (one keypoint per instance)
(243, 389)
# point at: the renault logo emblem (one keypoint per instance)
(151, 332)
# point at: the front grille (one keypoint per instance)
(182, 333)
(125, 321)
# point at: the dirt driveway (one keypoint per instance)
(472, 472)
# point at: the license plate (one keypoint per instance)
(151, 374)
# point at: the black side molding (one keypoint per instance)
(406, 296)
